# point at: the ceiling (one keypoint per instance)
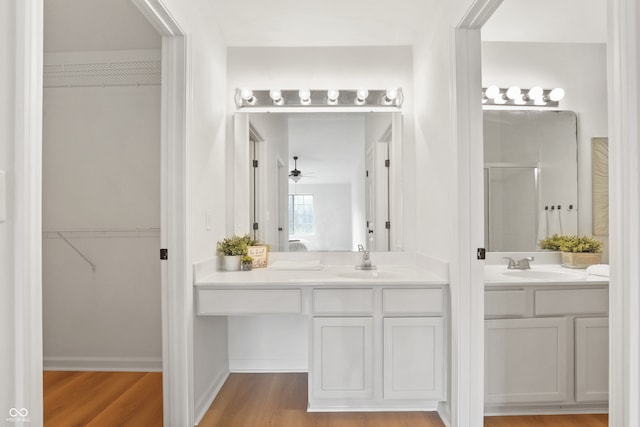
(85, 25)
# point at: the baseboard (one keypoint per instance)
(268, 365)
(546, 410)
(204, 402)
(123, 364)
(444, 412)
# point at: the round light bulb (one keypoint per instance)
(535, 93)
(305, 96)
(362, 94)
(246, 94)
(275, 94)
(492, 92)
(513, 92)
(391, 94)
(333, 94)
(556, 94)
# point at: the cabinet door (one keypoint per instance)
(592, 359)
(525, 360)
(413, 358)
(342, 365)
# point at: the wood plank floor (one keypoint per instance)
(280, 400)
(102, 399)
(134, 399)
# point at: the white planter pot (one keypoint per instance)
(231, 262)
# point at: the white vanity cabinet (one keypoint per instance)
(377, 348)
(546, 348)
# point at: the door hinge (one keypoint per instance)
(387, 225)
(255, 163)
(367, 174)
(481, 254)
(387, 163)
(164, 254)
(255, 225)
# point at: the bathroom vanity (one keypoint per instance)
(546, 340)
(377, 338)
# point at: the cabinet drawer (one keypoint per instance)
(400, 301)
(568, 301)
(248, 301)
(343, 301)
(505, 303)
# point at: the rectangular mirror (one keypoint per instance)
(318, 181)
(531, 177)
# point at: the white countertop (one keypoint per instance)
(327, 275)
(540, 274)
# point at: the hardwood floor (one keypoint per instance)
(134, 399)
(102, 399)
(587, 420)
(280, 400)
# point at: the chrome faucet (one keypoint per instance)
(523, 264)
(366, 260)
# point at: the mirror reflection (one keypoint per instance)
(531, 177)
(322, 181)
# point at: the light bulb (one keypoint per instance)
(332, 96)
(391, 94)
(276, 96)
(535, 93)
(492, 92)
(513, 92)
(556, 94)
(361, 96)
(246, 94)
(305, 96)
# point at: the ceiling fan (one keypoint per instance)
(295, 174)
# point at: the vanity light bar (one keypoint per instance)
(274, 98)
(516, 97)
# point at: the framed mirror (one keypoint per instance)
(531, 177)
(318, 181)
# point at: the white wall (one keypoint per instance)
(101, 171)
(206, 114)
(578, 68)
(7, 137)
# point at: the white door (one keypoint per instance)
(592, 359)
(525, 360)
(413, 358)
(342, 365)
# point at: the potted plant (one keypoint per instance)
(233, 249)
(577, 251)
(247, 263)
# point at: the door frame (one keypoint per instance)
(177, 282)
(176, 285)
(623, 69)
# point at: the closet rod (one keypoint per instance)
(93, 266)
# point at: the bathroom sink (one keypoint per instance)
(542, 275)
(368, 274)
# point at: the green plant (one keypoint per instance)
(247, 258)
(568, 243)
(235, 245)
